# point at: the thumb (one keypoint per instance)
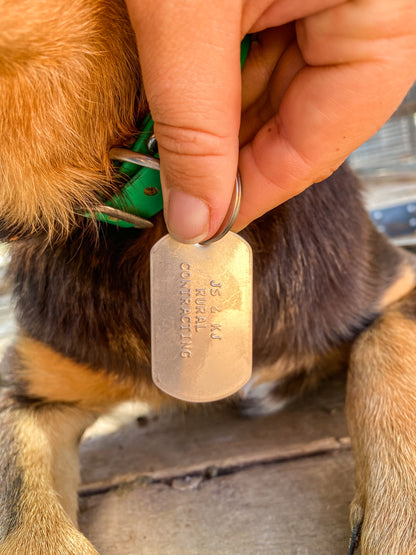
(189, 55)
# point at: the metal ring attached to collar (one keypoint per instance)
(127, 155)
(116, 214)
(231, 215)
(137, 158)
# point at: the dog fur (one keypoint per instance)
(329, 290)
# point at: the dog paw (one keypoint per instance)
(63, 541)
(383, 525)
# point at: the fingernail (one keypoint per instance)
(187, 217)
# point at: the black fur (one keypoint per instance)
(88, 297)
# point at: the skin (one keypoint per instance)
(322, 76)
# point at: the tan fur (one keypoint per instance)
(281, 369)
(272, 387)
(51, 376)
(401, 287)
(285, 367)
(56, 126)
(381, 408)
(48, 456)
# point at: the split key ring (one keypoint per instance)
(231, 215)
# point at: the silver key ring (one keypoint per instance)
(231, 215)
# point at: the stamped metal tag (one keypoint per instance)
(201, 311)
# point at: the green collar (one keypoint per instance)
(141, 197)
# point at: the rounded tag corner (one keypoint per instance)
(159, 243)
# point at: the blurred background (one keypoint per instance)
(387, 166)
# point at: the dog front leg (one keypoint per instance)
(39, 474)
(381, 414)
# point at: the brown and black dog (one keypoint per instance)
(329, 290)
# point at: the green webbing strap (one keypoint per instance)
(142, 194)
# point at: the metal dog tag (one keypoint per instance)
(201, 307)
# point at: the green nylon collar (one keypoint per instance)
(142, 194)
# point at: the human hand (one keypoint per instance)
(321, 77)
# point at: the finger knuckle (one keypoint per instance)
(189, 141)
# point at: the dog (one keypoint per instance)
(329, 290)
